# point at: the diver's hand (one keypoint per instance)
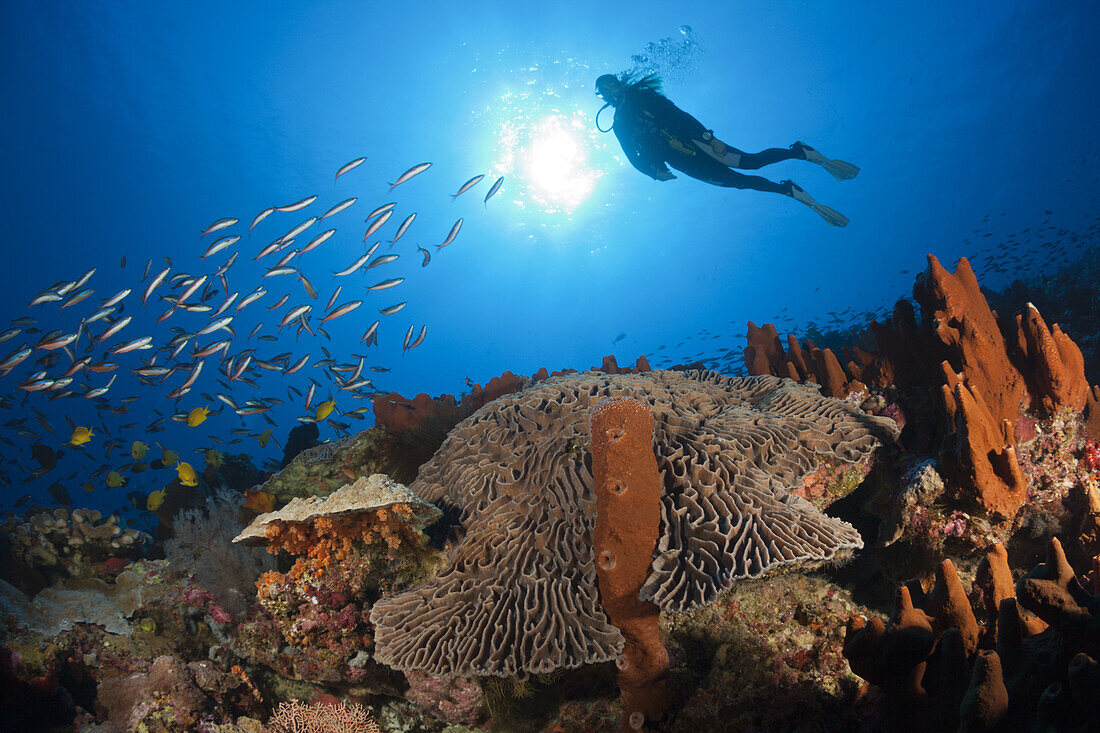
(665, 175)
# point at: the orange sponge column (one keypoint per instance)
(628, 514)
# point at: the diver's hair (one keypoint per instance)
(631, 80)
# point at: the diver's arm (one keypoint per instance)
(643, 159)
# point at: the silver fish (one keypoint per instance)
(415, 170)
(191, 290)
(408, 337)
(91, 394)
(427, 256)
(273, 247)
(115, 299)
(214, 326)
(468, 185)
(47, 297)
(154, 284)
(260, 217)
(307, 286)
(99, 315)
(380, 210)
(293, 313)
(298, 229)
(335, 295)
(318, 240)
(83, 279)
(297, 205)
(348, 167)
(297, 365)
(15, 358)
(212, 348)
(342, 310)
(57, 342)
(287, 258)
(251, 298)
(377, 224)
(420, 337)
(225, 305)
(219, 225)
(353, 267)
(494, 189)
(256, 329)
(393, 308)
(382, 260)
(371, 334)
(78, 298)
(338, 208)
(451, 235)
(114, 328)
(280, 271)
(10, 334)
(138, 343)
(386, 284)
(403, 228)
(221, 244)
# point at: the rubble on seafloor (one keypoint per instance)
(389, 555)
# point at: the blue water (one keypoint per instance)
(131, 126)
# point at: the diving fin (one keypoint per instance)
(731, 158)
(840, 170)
(830, 215)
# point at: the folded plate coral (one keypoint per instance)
(519, 593)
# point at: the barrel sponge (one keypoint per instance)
(519, 593)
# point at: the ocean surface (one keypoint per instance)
(130, 127)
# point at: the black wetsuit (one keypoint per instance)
(653, 131)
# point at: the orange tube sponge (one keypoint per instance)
(628, 514)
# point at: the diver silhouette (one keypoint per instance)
(654, 132)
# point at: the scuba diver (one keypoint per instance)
(653, 131)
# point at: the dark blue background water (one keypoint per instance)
(128, 127)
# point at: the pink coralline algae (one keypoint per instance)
(1091, 456)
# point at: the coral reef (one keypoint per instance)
(729, 451)
(323, 468)
(172, 696)
(935, 675)
(627, 487)
(363, 539)
(44, 547)
(202, 545)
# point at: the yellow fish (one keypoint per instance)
(214, 457)
(197, 416)
(264, 437)
(80, 436)
(325, 409)
(155, 500)
(187, 474)
(88, 487)
(138, 467)
(114, 479)
(169, 458)
(137, 450)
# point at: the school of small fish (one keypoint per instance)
(203, 348)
